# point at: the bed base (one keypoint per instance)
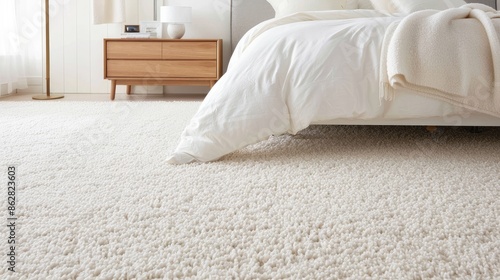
(470, 120)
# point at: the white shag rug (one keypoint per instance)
(96, 199)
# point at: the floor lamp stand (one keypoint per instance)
(47, 96)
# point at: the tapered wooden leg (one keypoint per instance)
(113, 89)
(212, 83)
(129, 89)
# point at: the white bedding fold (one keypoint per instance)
(451, 55)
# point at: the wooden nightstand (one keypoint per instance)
(162, 62)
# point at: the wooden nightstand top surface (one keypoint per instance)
(160, 40)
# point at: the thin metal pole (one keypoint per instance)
(47, 46)
(47, 95)
(156, 10)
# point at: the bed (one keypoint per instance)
(324, 68)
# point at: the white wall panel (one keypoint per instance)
(70, 45)
(82, 31)
(97, 82)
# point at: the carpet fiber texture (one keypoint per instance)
(96, 200)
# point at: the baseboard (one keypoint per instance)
(35, 85)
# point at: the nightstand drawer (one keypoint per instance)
(133, 50)
(189, 50)
(162, 69)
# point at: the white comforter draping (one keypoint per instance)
(288, 73)
(452, 55)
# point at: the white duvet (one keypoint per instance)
(291, 72)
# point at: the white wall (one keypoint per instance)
(77, 44)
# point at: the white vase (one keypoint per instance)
(176, 30)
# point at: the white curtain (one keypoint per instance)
(12, 74)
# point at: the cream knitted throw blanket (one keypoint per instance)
(452, 55)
